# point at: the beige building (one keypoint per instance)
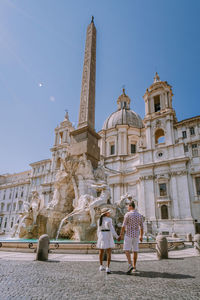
(157, 160)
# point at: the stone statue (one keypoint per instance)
(82, 220)
(36, 204)
(60, 180)
(26, 226)
(121, 209)
(85, 169)
(104, 198)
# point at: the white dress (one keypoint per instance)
(105, 238)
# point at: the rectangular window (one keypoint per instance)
(184, 134)
(192, 132)
(194, 150)
(163, 189)
(8, 207)
(197, 182)
(20, 205)
(112, 149)
(133, 148)
(185, 148)
(5, 224)
(157, 103)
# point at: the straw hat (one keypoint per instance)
(105, 210)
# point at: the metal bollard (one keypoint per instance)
(43, 248)
(189, 237)
(162, 247)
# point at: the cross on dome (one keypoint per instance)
(156, 78)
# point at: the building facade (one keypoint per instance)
(156, 159)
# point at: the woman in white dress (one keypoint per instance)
(105, 233)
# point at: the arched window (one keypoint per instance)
(159, 136)
(164, 212)
(60, 137)
(157, 103)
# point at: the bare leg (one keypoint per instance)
(128, 255)
(108, 257)
(101, 256)
(135, 255)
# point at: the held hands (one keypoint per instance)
(119, 238)
(141, 238)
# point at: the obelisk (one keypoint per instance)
(85, 138)
(87, 103)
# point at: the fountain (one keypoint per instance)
(80, 192)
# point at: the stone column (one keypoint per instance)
(120, 144)
(169, 131)
(176, 213)
(184, 196)
(56, 138)
(147, 107)
(148, 135)
(141, 200)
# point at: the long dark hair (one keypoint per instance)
(101, 219)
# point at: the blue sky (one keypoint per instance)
(42, 41)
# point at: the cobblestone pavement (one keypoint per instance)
(175, 278)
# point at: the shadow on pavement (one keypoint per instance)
(153, 274)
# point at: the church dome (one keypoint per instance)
(123, 116)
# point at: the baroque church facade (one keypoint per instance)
(156, 160)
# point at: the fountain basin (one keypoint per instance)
(71, 246)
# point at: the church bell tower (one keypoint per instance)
(159, 114)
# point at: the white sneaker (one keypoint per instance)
(135, 270)
(130, 268)
(108, 271)
(101, 268)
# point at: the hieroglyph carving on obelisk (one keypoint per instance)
(87, 102)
